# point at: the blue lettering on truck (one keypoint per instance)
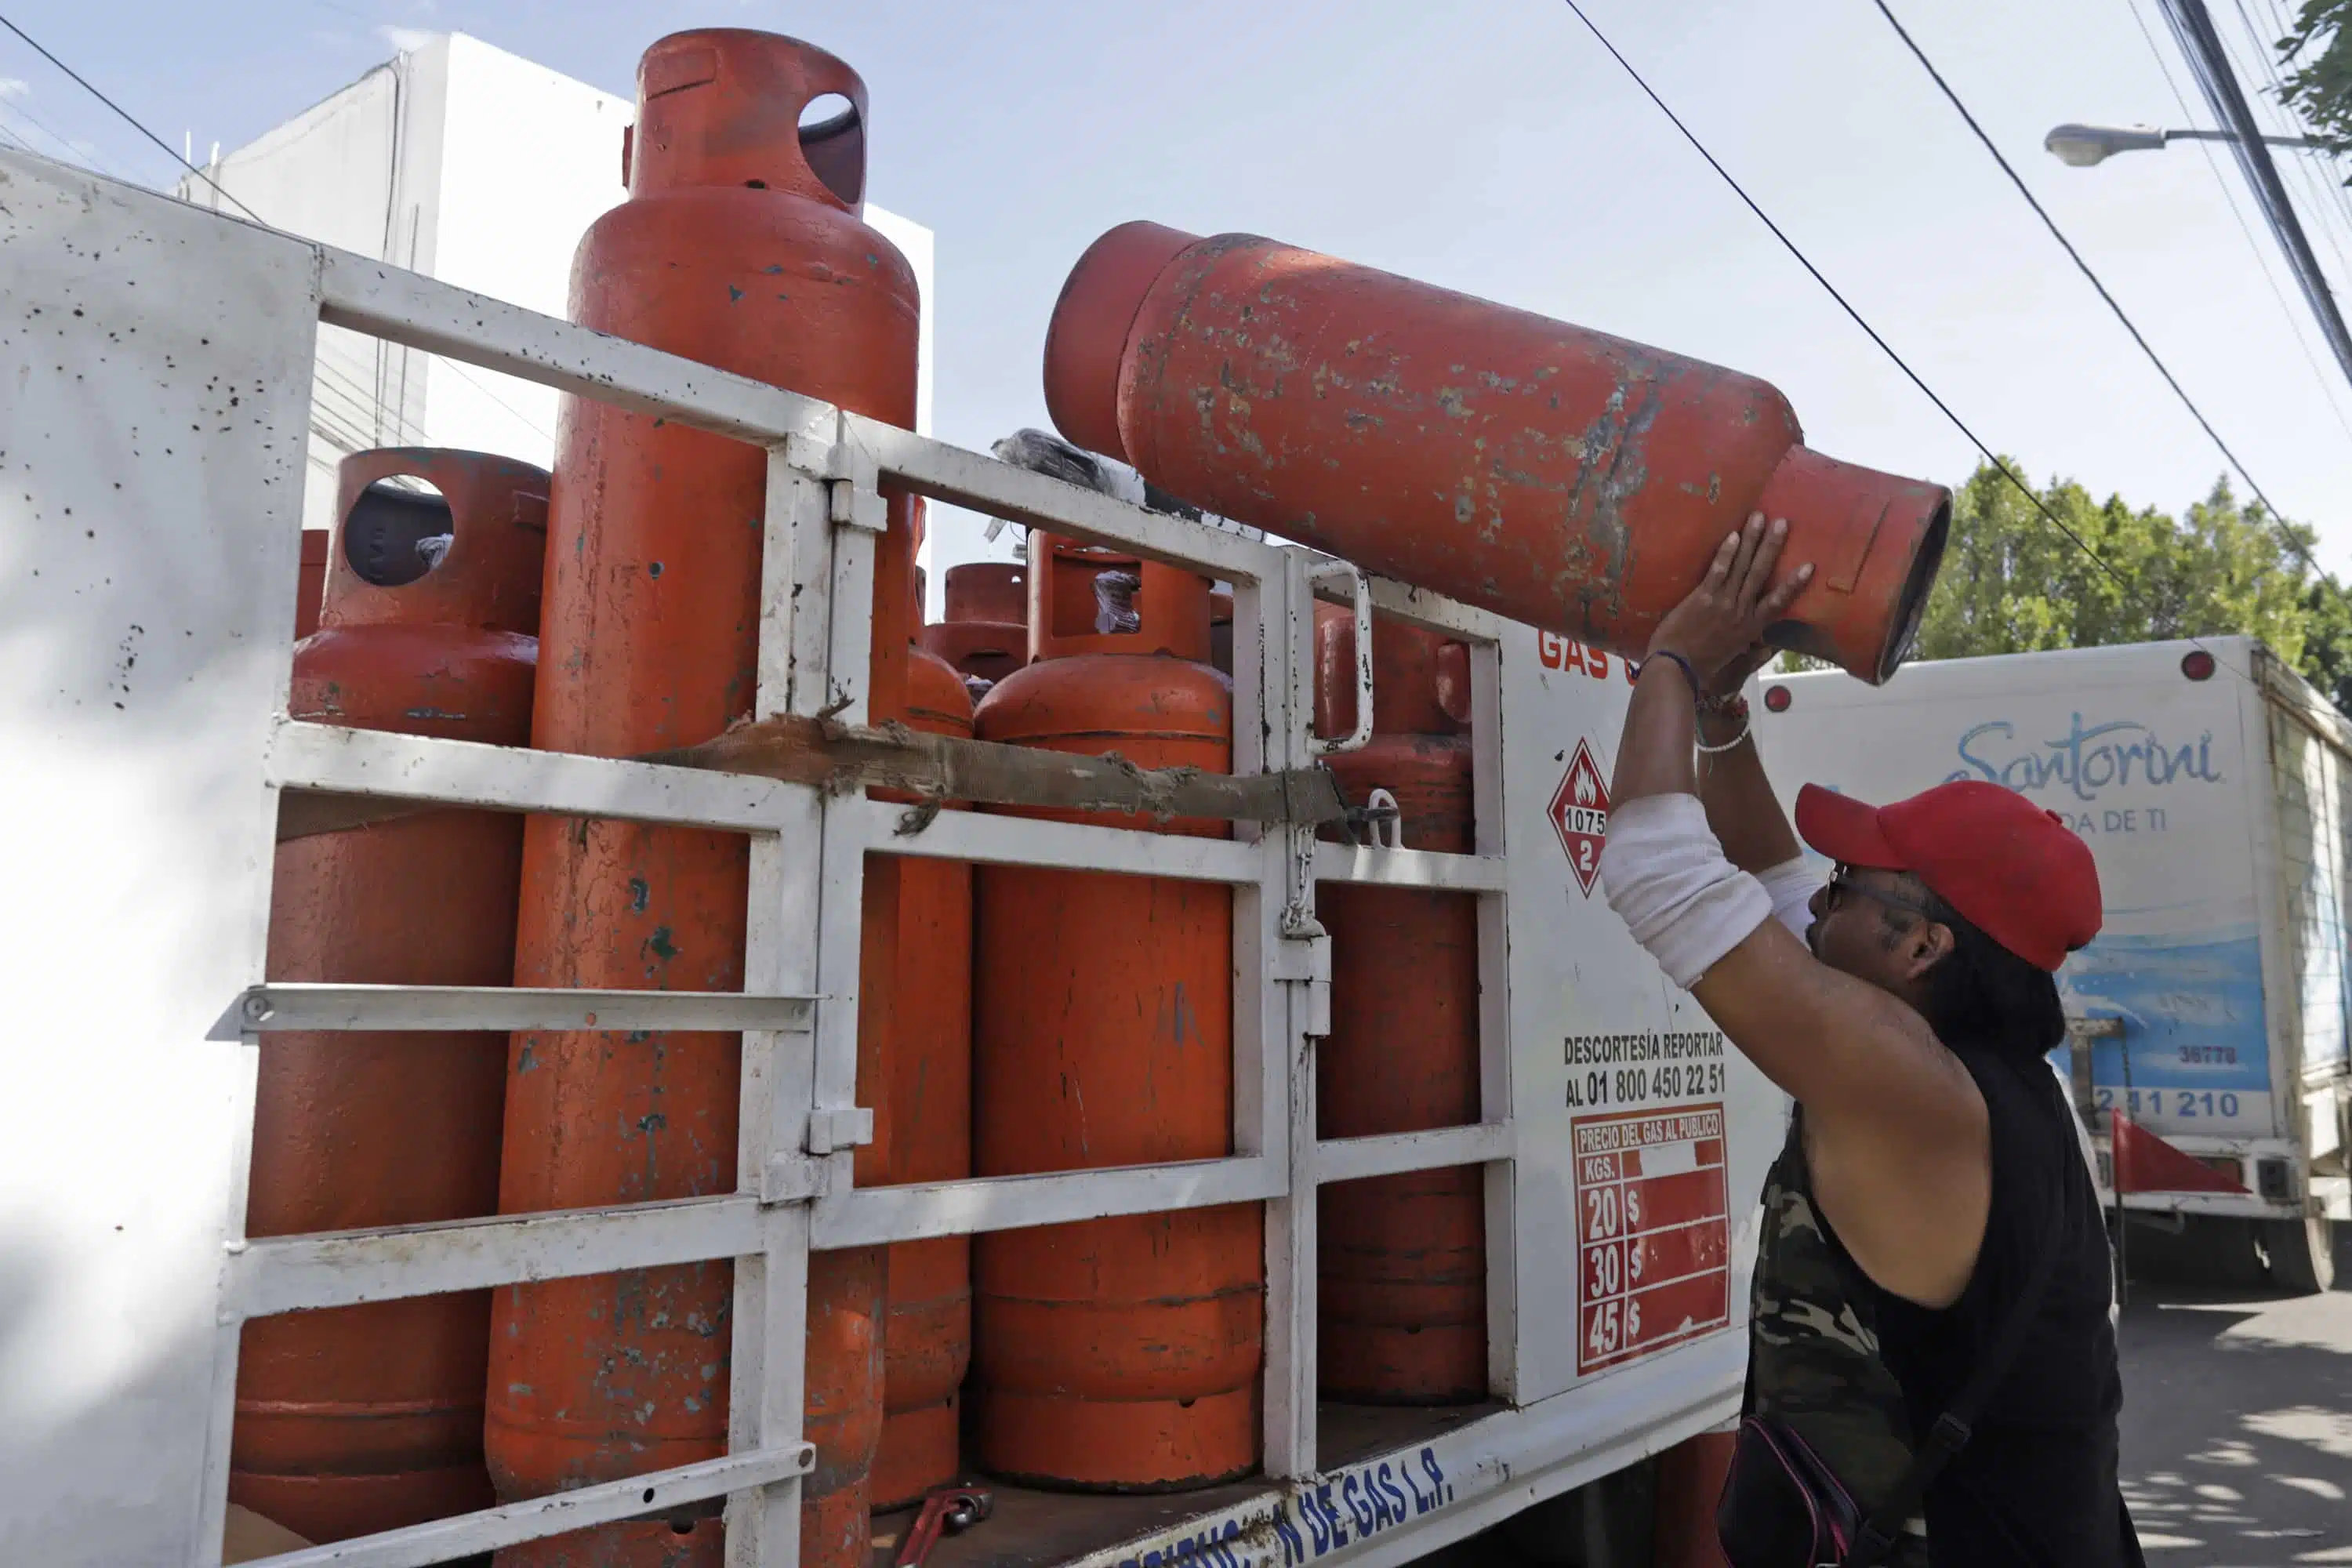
(1313, 1520)
(2122, 752)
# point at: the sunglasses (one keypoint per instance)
(1841, 882)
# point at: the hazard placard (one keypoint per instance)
(1579, 815)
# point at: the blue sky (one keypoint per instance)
(1493, 148)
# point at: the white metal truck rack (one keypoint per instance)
(158, 360)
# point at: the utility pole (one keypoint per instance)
(2192, 29)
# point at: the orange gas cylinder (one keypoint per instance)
(992, 591)
(986, 633)
(366, 1418)
(928, 1102)
(1690, 1484)
(1547, 472)
(310, 585)
(740, 246)
(1400, 1260)
(1121, 1353)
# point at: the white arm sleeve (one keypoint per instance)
(1667, 877)
(1790, 886)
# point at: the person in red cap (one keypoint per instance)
(1932, 1358)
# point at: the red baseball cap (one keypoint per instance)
(2016, 872)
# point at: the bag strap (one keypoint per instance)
(1953, 1428)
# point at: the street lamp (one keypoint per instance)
(2084, 145)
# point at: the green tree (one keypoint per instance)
(2317, 56)
(2326, 660)
(2011, 583)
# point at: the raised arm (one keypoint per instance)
(1896, 1129)
(1741, 809)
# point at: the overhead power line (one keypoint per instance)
(1856, 316)
(2084, 268)
(2192, 29)
(35, 44)
(2329, 385)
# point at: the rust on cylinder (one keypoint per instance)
(367, 1418)
(1118, 1354)
(740, 246)
(1547, 472)
(1400, 1260)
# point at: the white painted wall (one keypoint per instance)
(359, 171)
(536, 159)
(481, 168)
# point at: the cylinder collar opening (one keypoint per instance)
(1911, 609)
(397, 530)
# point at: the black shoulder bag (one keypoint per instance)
(1782, 1507)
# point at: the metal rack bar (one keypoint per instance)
(282, 1007)
(869, 1215)
(304, 755)
(514, 1523)
(1394, 1154)
(344, 1269)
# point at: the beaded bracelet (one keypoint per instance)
(1733, 706)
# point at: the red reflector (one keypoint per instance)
(2197, 665)
(1776, 697)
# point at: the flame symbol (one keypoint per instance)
(1584, 789)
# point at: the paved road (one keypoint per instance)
(2237, 1437)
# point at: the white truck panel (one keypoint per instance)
(2156, 772)
(1642, 1140)
(159, 376)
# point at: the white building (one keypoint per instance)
(472, 165)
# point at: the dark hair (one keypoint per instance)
(1981, 993)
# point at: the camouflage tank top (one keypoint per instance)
(1812, 1350)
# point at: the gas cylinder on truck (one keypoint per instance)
(1122, 1354)
(1547, 472)
(1400, 1260)
(740, 246)
(927, 1097)
(311, 582)
(369, 1417)
(985, 636)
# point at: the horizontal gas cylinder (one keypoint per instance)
(1547, 472)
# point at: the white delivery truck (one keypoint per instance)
(2214, 787)
(158, 362)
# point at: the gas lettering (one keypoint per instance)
(1352, 1494)
(1554, 651)
(1327, 1515)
